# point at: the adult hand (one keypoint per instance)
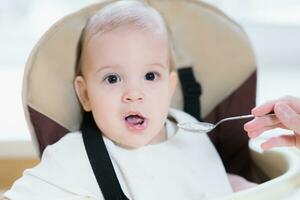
(287, 111)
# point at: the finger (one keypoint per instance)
(254, 134)
(280, 141)
(258, 132)
(264, 108)
(293, 102)
(267, 107)
(264, 128)
(288, 116)
(261, 122)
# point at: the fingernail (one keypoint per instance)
(250, 135)
(253, 110)
(246, 125)
(254, 134)
(265, 146)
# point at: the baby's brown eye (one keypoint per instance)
(150, 76)
(111, 79)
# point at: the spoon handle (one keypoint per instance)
(240, 117)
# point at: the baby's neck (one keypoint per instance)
(160, 137)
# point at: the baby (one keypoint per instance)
(126, 79)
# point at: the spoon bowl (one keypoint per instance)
(202, 127)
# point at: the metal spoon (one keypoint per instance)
(205, 127)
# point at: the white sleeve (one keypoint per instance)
(45, 181)
(31, 187)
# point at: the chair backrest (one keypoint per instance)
(217, 48)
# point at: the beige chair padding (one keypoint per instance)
(216, 46)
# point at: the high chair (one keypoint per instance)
(217, 70)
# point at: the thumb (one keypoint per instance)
(288, 117)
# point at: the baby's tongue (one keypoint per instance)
(134, 119)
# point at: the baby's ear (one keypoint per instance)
(82, 94)
(173, 78)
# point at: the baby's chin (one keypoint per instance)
(134, 141)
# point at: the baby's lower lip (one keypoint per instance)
(137, 127)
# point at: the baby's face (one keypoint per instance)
(127, 85)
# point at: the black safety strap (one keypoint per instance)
(100, 160)
(191, 91)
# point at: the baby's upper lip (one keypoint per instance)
(134, 113)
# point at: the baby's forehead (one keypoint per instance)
(127, 46)
(120, 32)
(124, 41)
(131, 16)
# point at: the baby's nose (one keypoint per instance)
(133, 96)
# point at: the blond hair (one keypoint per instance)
(136, 14)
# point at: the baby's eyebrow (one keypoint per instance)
(106, 67)
(157, 64)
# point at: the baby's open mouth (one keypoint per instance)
(135, 121)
